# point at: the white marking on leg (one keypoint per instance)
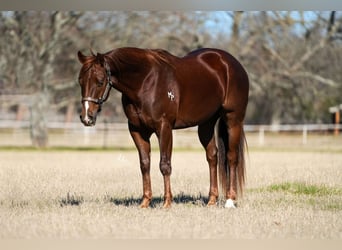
(229, 204)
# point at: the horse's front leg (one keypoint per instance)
(142, 142)
(164, 135)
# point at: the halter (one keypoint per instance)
(105, 95)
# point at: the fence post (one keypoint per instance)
(337, 122)
(105, 134)
(305, 135)
(335, 111)
(261, 135)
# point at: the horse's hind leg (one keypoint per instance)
(234, 157)
(206, 133)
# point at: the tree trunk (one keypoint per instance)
(70, 112)
(38, 126)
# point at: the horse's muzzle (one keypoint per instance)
(88, 120)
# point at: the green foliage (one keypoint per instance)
(318, 197)
(299, 188)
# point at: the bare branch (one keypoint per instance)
(310, 52)
(316, 77)
(321, 44)
(307, 74)
(276, 56)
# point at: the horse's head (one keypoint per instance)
(95, 81)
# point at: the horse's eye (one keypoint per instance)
(99, 84)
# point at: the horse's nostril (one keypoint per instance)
(88, 120)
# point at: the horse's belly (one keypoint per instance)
(194, 116)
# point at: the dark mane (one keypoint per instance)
(162, 56)
(133, 57)
(122, 58)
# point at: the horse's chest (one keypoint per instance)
(139, 117)
(153, 110)
(150, 118)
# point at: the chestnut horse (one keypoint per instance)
(162, 92)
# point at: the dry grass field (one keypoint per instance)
(77, 194)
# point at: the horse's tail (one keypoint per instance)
(223, 139)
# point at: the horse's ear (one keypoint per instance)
(82, 58)
(92, 52)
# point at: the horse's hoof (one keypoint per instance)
(167, 205)
(230, 204)
(212, 202)
(145, 203)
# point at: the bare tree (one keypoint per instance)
(286, 65)
(33, 41)
(293, 58)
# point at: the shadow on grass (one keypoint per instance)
(73, 199)
(158, 201)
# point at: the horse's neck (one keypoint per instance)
(130, 68)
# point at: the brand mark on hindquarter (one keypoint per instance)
(170, 95)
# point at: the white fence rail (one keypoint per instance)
(16, 133)
(304, 129)
(8, 124)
